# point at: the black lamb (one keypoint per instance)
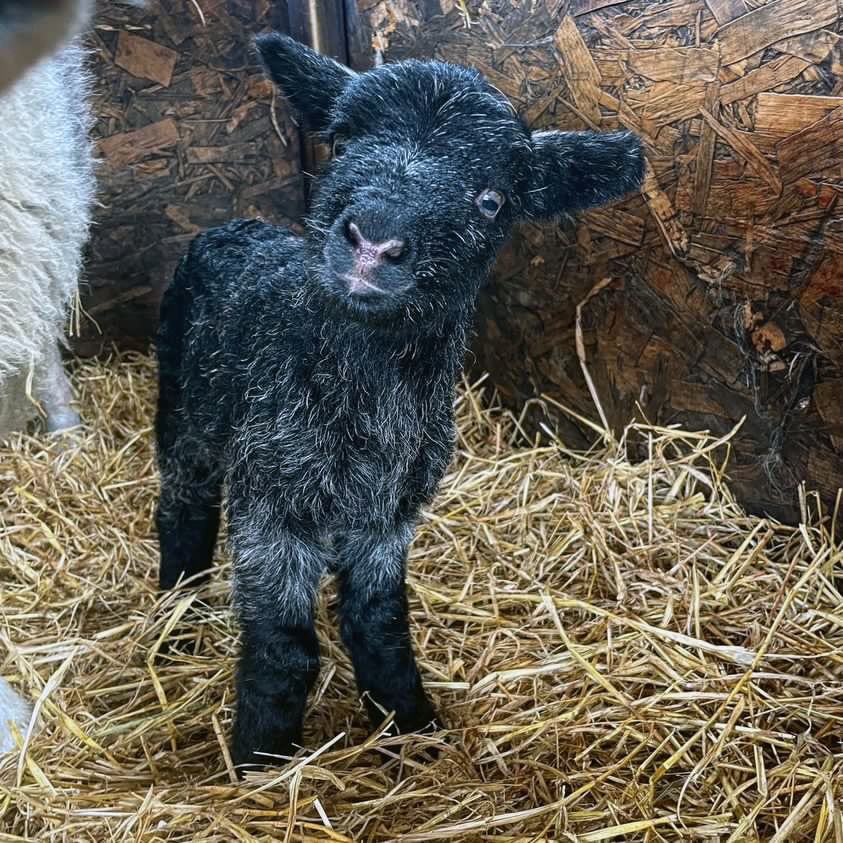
(314, 376)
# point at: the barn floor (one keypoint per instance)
(619, 652)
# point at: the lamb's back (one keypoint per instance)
(242, 257)
(226, 301)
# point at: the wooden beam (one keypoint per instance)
(319, 24)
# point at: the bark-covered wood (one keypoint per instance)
(726, 292)
(190, 135)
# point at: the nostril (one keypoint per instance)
(352, 233)
(373, 252)
(393, 249)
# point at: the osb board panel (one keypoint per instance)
(726, 299)
(186, 139)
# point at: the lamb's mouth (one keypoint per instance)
(360, 286)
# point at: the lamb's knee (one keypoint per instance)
(371, 562)
(276, 571)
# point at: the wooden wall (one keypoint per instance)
(189, 138)
(726, 272)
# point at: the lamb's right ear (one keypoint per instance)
(310, 81)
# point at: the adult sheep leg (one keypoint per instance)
(188, 513)
(13, 709)
(370, 570)
(276, 571)
(52, 388)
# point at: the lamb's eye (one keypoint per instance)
(338, 145)
(490, 202)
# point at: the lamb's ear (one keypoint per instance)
(572, 170)
(310, 81)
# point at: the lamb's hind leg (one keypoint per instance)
(276, 570)
(188, 513)
(374, 624)
(52, 389)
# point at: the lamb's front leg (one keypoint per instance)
(370, 569)
(276, 571)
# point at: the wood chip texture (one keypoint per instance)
(186, 141)
(740, 105)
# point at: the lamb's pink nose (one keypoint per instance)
(367, 254)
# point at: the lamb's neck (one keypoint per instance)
(431, 344)
(430, 355)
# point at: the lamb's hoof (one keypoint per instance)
(184, 640)
(426, 753)
(425, 725)
(263, 735)
(181, 642)
(425, 722)
(249, 755)
(419, 718)
(416, 745)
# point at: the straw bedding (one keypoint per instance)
(620, 654)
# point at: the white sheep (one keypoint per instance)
(47, 188)
(47, 178)
(46, 194)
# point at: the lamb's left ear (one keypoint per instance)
(573, 170)
(310, 81)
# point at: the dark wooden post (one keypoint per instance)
(188, 138)
(322, 25)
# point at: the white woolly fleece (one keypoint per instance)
(47, 178)
(46, 192)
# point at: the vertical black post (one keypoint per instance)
(358, 38)
(320, 24)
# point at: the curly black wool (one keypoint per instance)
(315, 375)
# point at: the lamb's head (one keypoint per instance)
(431, 167)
